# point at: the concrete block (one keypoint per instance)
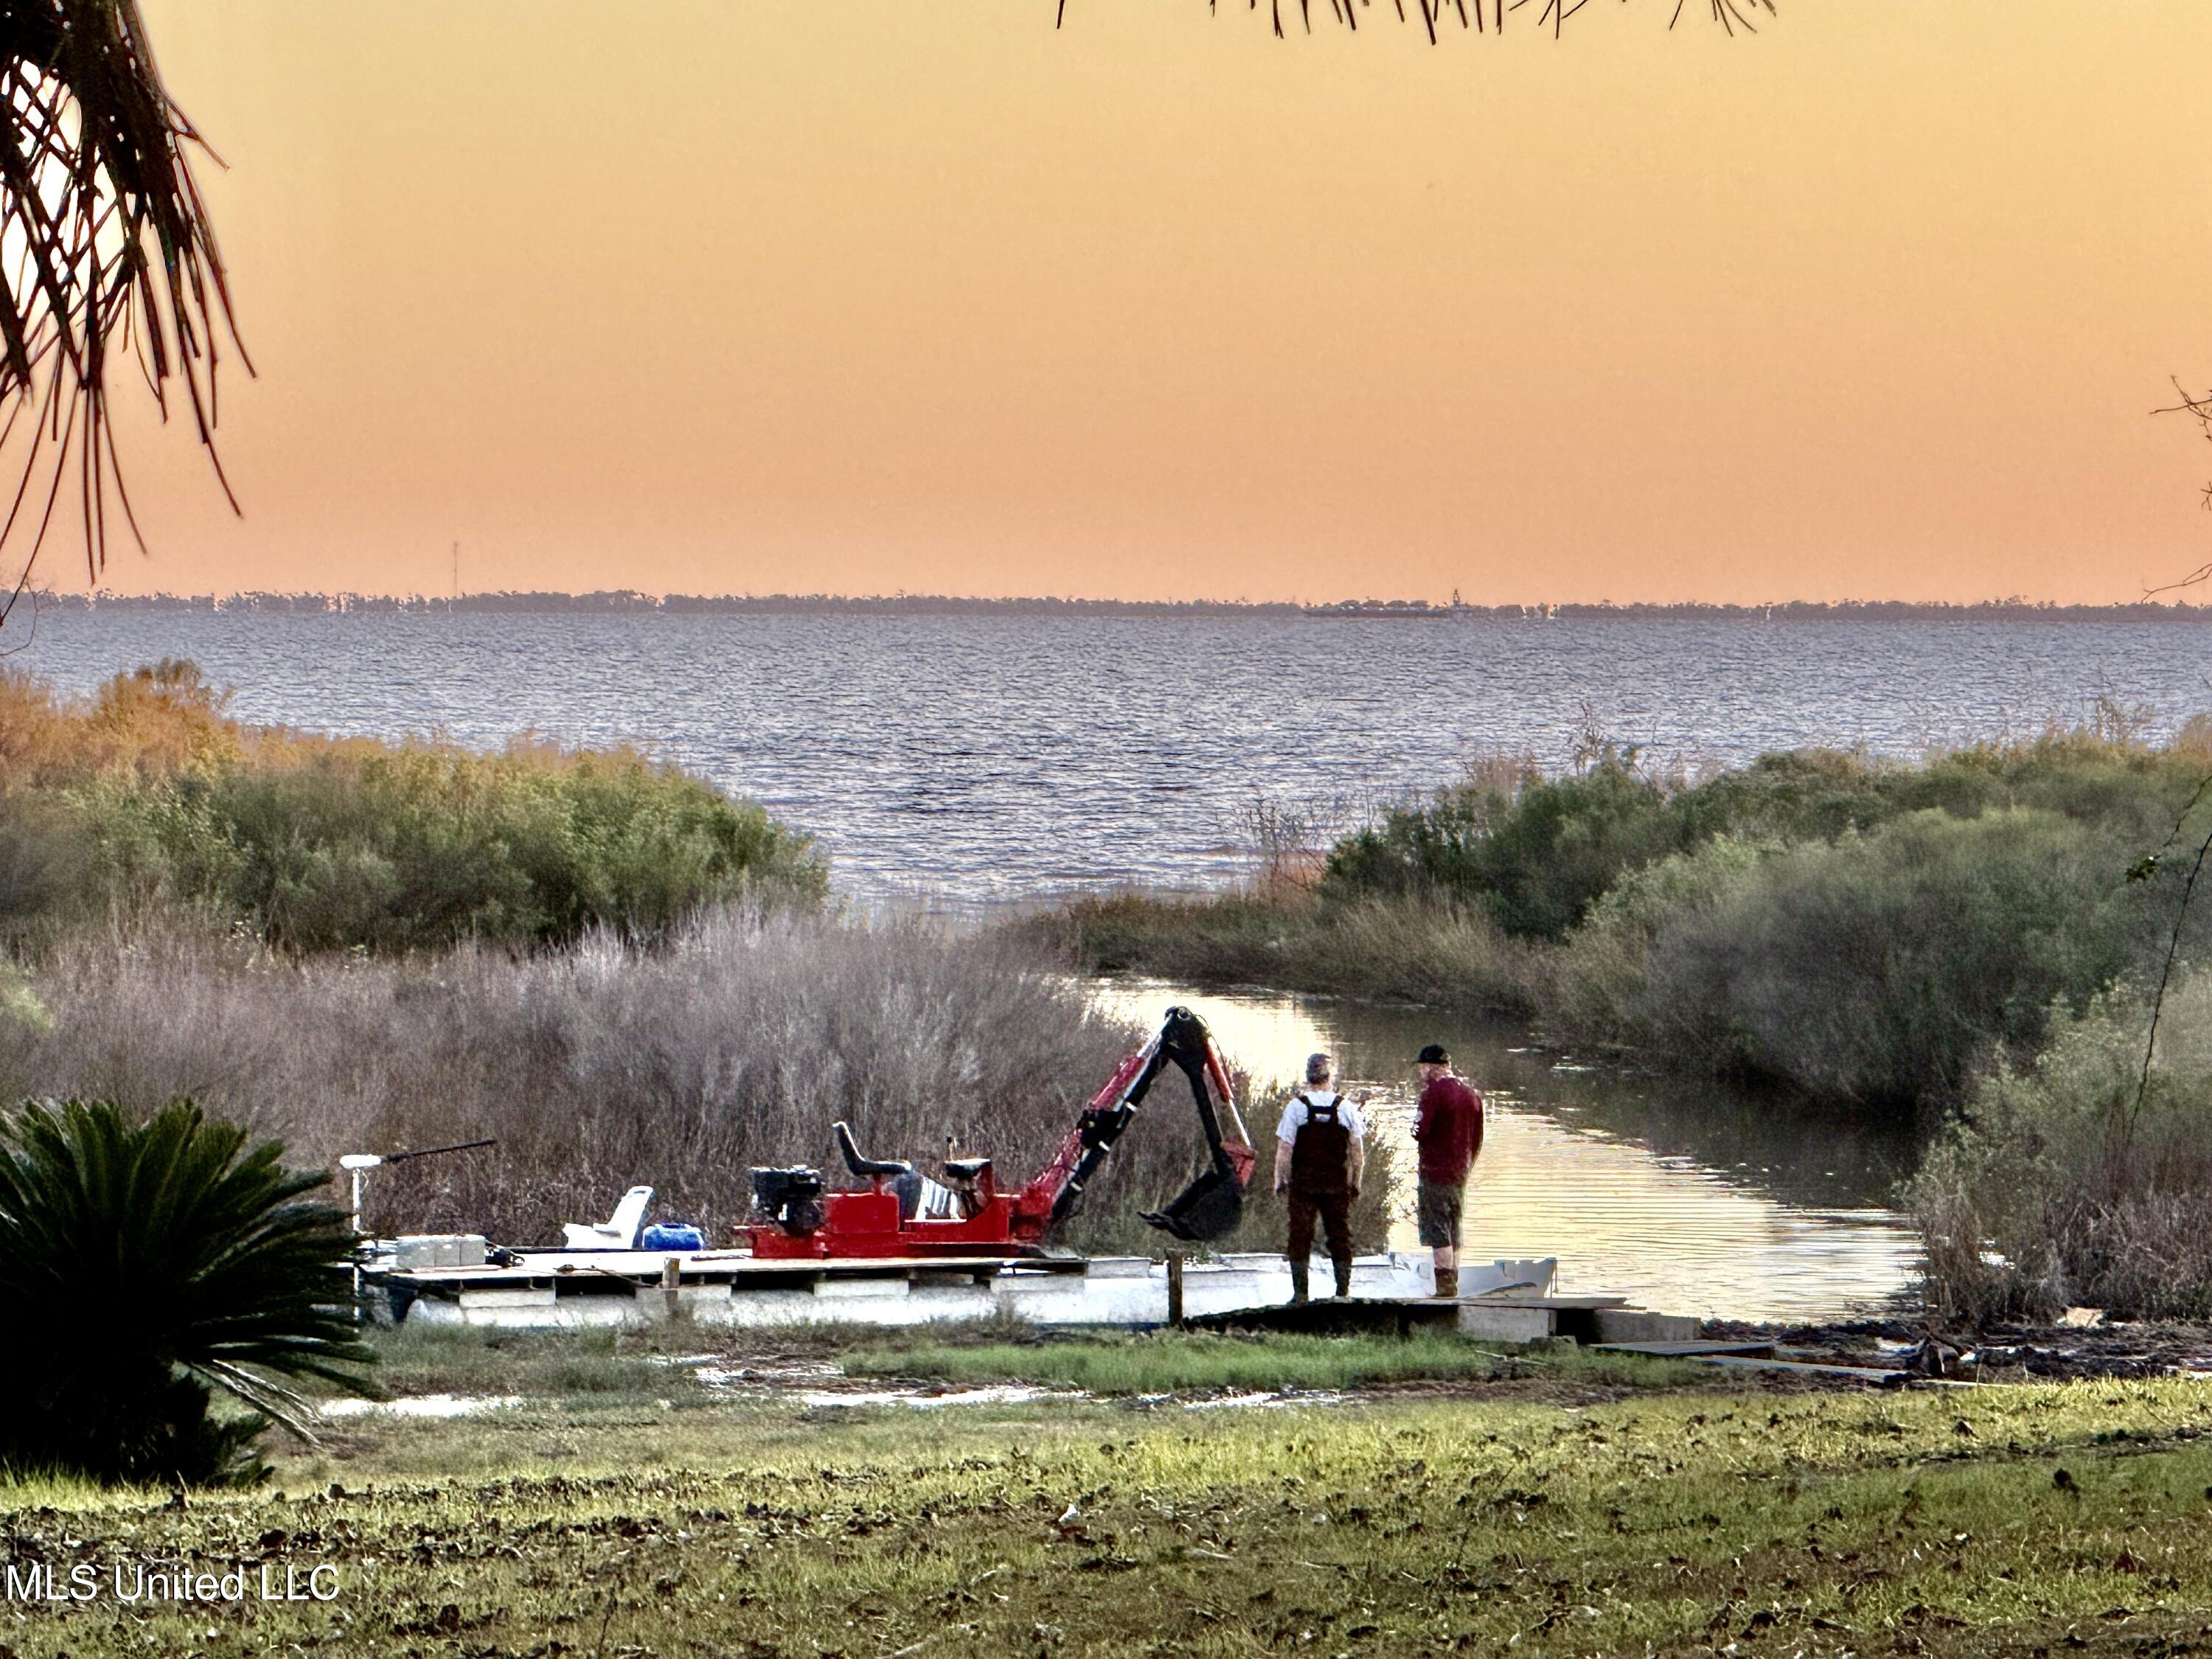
(1504, 1324)
(414, 1251)
(1635, 1325)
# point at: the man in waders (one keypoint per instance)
(1448, 1130)
(1321, 1147)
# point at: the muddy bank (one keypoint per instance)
(2000, 1353)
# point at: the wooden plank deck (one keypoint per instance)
(644, 1268)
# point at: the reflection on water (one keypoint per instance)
(1702, 1201)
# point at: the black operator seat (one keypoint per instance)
(866, 1166)
(965, 1169)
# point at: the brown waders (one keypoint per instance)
(1320, 1190)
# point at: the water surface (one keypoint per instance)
(1688, 1199)
(977, 760)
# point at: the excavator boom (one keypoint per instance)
(1211, 1205)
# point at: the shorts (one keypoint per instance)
(1437, 1211)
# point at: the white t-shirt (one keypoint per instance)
(1294, 1115)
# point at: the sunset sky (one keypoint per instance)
(777, 296)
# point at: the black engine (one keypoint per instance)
(790, 1198)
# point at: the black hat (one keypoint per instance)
(1434, 1055)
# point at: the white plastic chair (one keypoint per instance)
(619, 1233)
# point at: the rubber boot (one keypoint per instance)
(1447, 1282)
(1299, 1271)
(1343, 1277)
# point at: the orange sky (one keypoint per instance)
(731, 295)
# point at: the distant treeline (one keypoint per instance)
(631, 602)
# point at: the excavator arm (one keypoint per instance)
(1210, 1206)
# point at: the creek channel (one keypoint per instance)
(1701, 1199)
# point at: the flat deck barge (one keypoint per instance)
(567, 1289)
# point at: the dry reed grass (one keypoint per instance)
(606, 1064)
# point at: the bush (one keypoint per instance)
(1882, 968)
(1602, 988)
(2059, 1186)
(1533, 853)
(142, 1266)
(147, 798)
(1537, 854)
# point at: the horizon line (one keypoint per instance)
(604, 600)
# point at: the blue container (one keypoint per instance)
(673, 1235)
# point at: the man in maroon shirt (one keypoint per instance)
(1448, 1130)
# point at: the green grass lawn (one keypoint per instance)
(1666, 1520)
(1178, 1362)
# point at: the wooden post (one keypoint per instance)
(1174, 1287)
(670, 1282)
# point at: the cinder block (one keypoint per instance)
(1504, 1324)
(413, 1252)
(1635, 1325)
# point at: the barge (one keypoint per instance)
(552, 1289)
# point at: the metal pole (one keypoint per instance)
(357, 1175)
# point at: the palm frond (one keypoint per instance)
(106, 255)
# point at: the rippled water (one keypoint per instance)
(1688, 1200)
(979, 759)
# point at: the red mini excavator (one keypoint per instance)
(901, 1212)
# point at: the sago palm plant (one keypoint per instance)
(142, 1268)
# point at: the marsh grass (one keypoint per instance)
(607, 1064)
(1431, 950)
(1662, 1522)
(1867, 933)
(1179, 1362)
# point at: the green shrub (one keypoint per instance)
(1535, 853)
(143, 1266)
(1601, 989)
(1882, 968)
(2061, 1184)
(323, 844)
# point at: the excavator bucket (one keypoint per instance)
(1206, 1210)
(1212, 1206)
